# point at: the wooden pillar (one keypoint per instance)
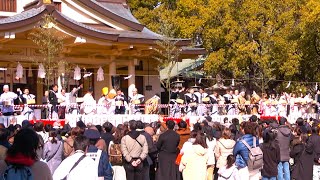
(132, 71)
(112, 72)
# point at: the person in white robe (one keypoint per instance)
(28, 100)
(136, 100)
(203, 100)
(89, 104)
(282, 108)
(7, 109)
(270, 109)
(191, 99)
(73, 104)
(106, 104)
(63, 101)
(214, 102)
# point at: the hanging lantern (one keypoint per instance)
(41, 72)
(30, 72)
(19, 73)
(100, 74)
(77, 73)
(63, 80)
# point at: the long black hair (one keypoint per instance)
(208, 130)
(26, 142)
(269, 137)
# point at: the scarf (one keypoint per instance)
(20, 159)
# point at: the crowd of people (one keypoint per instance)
(172, 150)
(168, 149)
(199, 102)
(183, 103)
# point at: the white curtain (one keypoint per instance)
(19, 73)
(100, 74)
(41, 72)
(77, 73)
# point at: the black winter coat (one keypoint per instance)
(168, 145)
(314, 143)
(271, 159)
(303, 162)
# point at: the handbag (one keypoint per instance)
(178, 159)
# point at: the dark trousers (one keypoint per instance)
(121, 110)
(152, 172)
(62, 112)
(215, 177)
(134, 173)
(44, 113)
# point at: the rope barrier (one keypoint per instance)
(141, 105)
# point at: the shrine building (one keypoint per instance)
(98, 33)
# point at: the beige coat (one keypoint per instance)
(130, 148)
(40, 170)
(195, 162)
(224, 147)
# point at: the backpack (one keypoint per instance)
(255, 160)
(115, 155)
(18, 172)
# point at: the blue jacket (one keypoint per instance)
(241, 152)
(104, 168)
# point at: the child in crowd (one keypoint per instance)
(230, 171)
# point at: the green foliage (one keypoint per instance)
(258, 40)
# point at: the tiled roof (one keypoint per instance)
(23, 16)
(143, 35)
(85, 26)
(181, 67)
(149, 32)
(117, 9)
(120, 11)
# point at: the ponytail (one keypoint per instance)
(52, 137)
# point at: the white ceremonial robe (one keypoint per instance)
(134, 107)
(106, 106)
(28, 112)
(215, 106)
(202, 109)
(89, 104)
(282, 110)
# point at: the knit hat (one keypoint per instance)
(92, 134)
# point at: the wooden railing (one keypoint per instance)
(8, 5)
